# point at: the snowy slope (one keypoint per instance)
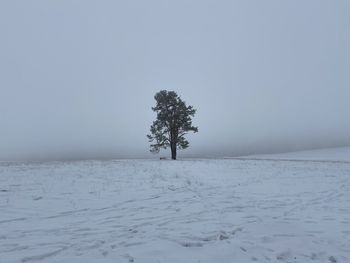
(175, 211)
(331, 154)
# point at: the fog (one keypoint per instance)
(77, 78)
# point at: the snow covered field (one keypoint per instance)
(341, 154)
(175, 211)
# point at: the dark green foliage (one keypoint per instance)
(174, 121)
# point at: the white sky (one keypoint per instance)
(77, 78)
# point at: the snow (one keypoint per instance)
(210, 210)
(341, 154)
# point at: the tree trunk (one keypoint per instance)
(173, 151)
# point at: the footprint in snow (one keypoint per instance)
(223, 236)
(129, 258)
(243, 249)
(285, 256)
(191, 244)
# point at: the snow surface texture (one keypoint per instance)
(175, 211)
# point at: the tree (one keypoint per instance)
(174, 121)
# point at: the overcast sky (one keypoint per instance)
(77, 78)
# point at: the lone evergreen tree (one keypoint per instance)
(174, 121)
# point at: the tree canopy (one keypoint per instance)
(173, 122)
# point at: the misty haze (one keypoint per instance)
(175, 131)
